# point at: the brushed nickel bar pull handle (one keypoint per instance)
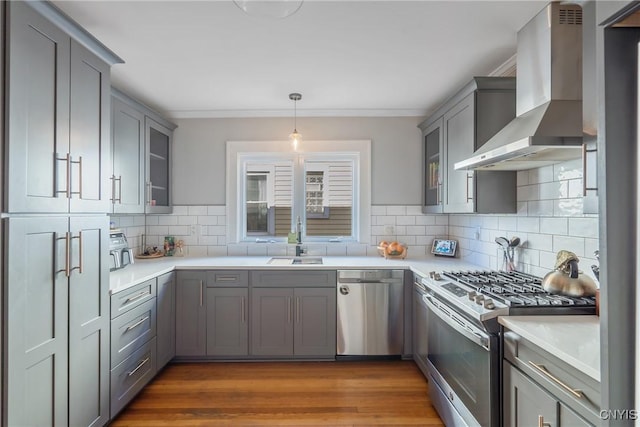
(288, 309)
(66, 269)
(242, 303)
(577, 393)
(79, 163)
(149, 189)
(468, 178)
(67, 190)
(138, 323)
(201, 291)
(140, 365)
(80, 262)
(137, 297)
(112, 178)
(119, 189)
(584, 170)
(541, 422)
(438, 196)
(297, 309)
(225, 279)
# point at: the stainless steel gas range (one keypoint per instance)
(463, 350)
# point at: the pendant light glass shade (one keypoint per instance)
(295, 137)
(276, 9)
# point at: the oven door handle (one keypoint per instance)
(469, 331)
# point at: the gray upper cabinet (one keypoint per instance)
(58, 114)
(58, 326)
(432, 147)
(191, 314)
(127, 179)
(166, 319)
(159, 140)
(458, 128)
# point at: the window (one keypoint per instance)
(274, 188)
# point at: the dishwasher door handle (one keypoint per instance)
(344, 290)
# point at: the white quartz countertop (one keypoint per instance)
(574, 339)
(143, 270)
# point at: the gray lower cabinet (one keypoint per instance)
(133, 342)
(191, 314)
(540, 389)
(227, 321)
(527, 404)
(57, 342)
(420, 330)
(166, 319)
(293, 322)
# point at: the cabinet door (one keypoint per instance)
(459, 134)
(89, 321)
(525, 401)
(158, 170)
(127, 136)
(272, 321)
(38, 107)
(433, 168)
(166, 319)
(36, 292)
(89, 142)
(191, 314)
(315, 322)
(227, 324)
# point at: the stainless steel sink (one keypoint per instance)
(295, 260)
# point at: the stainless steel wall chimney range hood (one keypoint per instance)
(548, 124)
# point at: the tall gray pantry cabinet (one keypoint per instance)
(55, 228)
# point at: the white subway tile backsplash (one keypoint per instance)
(413, 230)
(528, 192)
(207, 220)
(180, 210)
(257, 250)
(179, 230)
(528, 224)
(590, 246)
(568, 207)
(377, 210)
(540, 208)
(583, 227)
(575, 188)
(542, 242)
(442, 220)
(158, 230)
(217, 210)
(197, 210)
(197, 251)
(571, 169)
(522, 178)
(405, 220)
(426, 220)
(396, 210)
(573, 244)
(554, 226)
(187, 220)
(539, 175)
(167, 220)
(217, 251)
(216, 230)
(414, 210)
(508, 223)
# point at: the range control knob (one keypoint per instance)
(471, 295)
(479, 299)
(488, 304)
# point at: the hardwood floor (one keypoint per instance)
(380, 393)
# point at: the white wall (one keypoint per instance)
(199, 153)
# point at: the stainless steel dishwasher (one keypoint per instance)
(370, 313)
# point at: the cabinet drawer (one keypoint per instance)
(223, 278)
(313, 278)
(554, 374)
(131, 330)
(129, 377)
(132, 297)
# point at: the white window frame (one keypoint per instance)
(243, 151)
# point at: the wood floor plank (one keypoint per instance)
(367, 393)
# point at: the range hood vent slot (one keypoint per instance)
(570, 17)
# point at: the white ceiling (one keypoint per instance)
(347, 58)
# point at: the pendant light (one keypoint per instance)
(274, 9)
(295, 137)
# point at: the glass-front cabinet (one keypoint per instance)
(158, 170)
(432, 170)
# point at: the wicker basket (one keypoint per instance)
(402, 255)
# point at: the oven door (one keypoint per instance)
(463, 364)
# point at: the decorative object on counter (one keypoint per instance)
(150, 252)
(567, 279)
(444, 247)
(508, 252)
(392, 250)
(179, 248)
(295, 137)
(169, 246)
